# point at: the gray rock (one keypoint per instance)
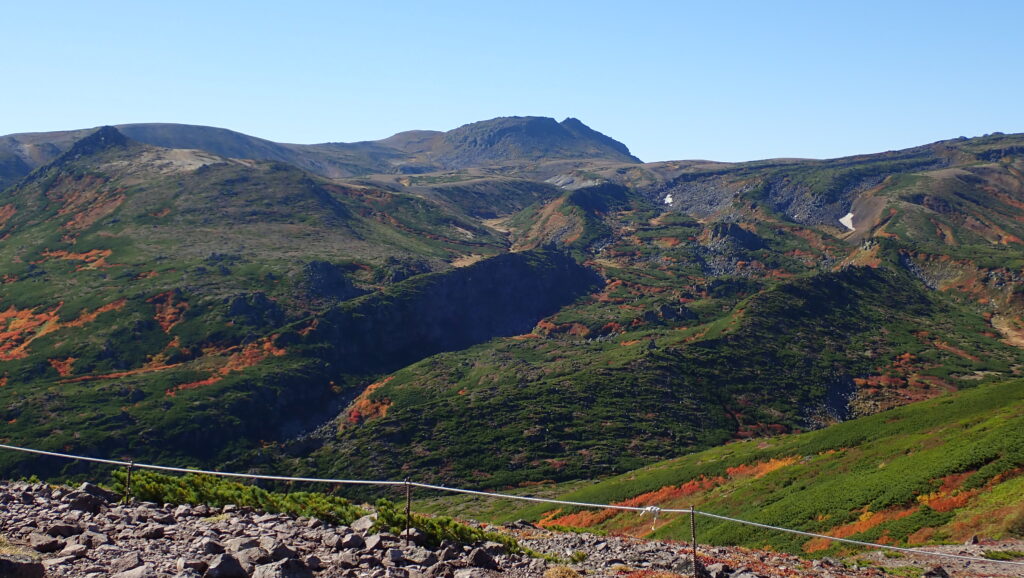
(94, 490)
(145, 571)
(76, 550)
(84, 502)
(210, 546)
(393, 557)
(126, 562)
(936, 572)
(225, 566)
(45, 543)
(252, 557)
(287, 568)
(163, 518)
(449, 553)
(185, 564)
(422, 557)
(18, 566)
(346, 560)
(92, 539)
(150, 532)
(239, 544)
(414, 535)
(281, 552)
(59, 561)
(685, 566)
(64, 530)
(719, 570)
(440, 570)
(479, 558)
(352, 541)
(471, 573)
(493, 548)
(374, 542)
(331, 540)
(364, 524)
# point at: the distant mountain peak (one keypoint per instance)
(103, 138)
(527, 138)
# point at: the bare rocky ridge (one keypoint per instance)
(87, 532)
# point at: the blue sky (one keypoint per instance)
(726, 80)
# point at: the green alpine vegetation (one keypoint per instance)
(937, 471)
(516, 301)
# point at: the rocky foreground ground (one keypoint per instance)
(85, 532)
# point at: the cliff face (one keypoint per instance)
(503, 296)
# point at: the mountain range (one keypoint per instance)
(512, 301)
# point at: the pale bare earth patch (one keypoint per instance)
(498, 224)
(171, 161)
(1010, 329)
(467, 260)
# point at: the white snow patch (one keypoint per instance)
(668, 199)
(847, 221)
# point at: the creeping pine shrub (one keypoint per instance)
(391, 519)
(1003, 554)
(215, 491)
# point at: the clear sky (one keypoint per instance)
(723, 80)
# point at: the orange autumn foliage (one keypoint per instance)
(169, 311)
(63, 366)
(584, 519)
(760, 469)
(20, 327)
(6, 212)
(867, 521)
(251, 354)
(364, 408)
(95, 259)
(956, 351)
(949, 496)
(90, 316)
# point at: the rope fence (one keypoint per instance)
(653, 510)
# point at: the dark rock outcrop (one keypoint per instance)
(502, 296)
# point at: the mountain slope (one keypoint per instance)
(500, 141)
(937, 471)
(583, 408)
(176, 304)
(552, 309)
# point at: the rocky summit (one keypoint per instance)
(89, 532)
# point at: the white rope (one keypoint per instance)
(654, 510)
(205, 472)
(856, 542)
(532, 499)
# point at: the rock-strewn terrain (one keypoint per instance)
(86, 532)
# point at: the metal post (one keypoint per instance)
(408, 506)
(128, 483)
(693, 538)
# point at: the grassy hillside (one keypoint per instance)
(936, 471)
(581, 403)
(548, 309)
(180, 306)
